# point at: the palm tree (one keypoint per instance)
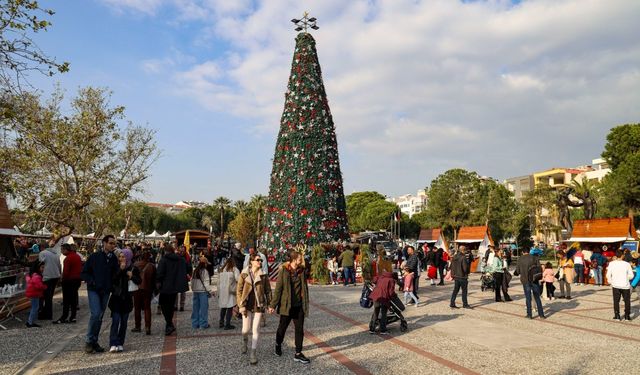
(241, 206)
(258, 203)
(222, 203)
(207, 222)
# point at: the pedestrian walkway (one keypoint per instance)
(578, 337)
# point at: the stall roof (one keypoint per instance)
(472, 234)
(5, 216)
(603, 230)
(429, 235)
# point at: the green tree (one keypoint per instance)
(64, 167)
(306, 197)
(319, 271)
(452, 196)
(257, 204)
(377, 215)
(222, 203)
(242, 228)
(622, 185)
(356, 202)
(19, 54)
(496, 207)
(541, 207)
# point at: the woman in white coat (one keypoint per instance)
(227, 283)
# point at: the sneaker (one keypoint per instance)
(113, 349)
(617, 317)
(279, 350)
(568, 297)
(88, 348)
(120, 348)
(97, 348)
(385, 332)
(72, 321)
(169, 330)
(467, 307)
(59, 321)
(454, 307)
(299, 357)
(229, 327)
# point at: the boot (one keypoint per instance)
(245, 340)
(253, 359)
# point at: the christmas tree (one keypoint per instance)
(306, 199)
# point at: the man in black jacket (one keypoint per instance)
(98, 273)
(460, 272)
(171, 279)
(526, 267)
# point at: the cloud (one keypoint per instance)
(500, 88)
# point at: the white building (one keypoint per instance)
(410, 204)
(599, 169)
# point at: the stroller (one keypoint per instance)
(394, 313)
(487, 282)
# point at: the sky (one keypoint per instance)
(503, 88)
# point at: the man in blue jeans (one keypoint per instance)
(97, 273)
(526, 269)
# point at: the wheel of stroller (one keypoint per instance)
(403, 326)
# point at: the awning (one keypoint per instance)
(599, 239)
(9, 232)
(469, 241)
(426, 241)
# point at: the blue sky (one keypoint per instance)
(415, 87)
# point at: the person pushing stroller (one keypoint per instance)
(383, 293)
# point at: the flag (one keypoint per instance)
(186, 241)
(396, 216)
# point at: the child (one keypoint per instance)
(35, 291)
(548, 277)
(382, 293)
(408, 286)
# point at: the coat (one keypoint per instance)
(245, 287)
(121, 300)
(227, 287)
(281, 300)
(568, 270)
(460, 266)
(98, 271)
(35, 286)
(171, 276)
(384, 290)
(147, 274)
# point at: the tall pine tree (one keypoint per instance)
(306, 199)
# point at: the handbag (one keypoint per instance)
(132, 286)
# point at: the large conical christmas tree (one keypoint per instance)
(306, 202)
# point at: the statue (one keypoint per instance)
(589, 205)
(564, 202)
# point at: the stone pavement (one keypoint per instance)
(578, 337)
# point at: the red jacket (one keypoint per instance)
(72, 267)
(35, 286)
(384, 289)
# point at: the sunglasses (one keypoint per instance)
(258, 260)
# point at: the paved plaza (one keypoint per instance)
(578, 337)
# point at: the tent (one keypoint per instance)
(433, 236)
(167, 235)
(479, 236)
(154, 235)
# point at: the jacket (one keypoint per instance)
(413, 263)
(599, 259)
(245, 288)
(407, 280)
(567, 270)
(548, 275)
(171, 276)
(281, 300)
(384, 290)
(121, 300)
(35, 286)
(51, 260)
(72, 267)
(459, 266)
(496, 266)
(430, 258)
(98, 271)
(636, 278)
(347, 258)
(522, 268)
(227, 287)
(619, 273)
(198, 284)
(147, 275)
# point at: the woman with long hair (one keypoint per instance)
(291, 298)
(253, 296)
(227, 283)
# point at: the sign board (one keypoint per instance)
(631, 245)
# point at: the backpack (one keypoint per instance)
(534, 273)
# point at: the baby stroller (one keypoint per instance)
(487, 282)
(394, 313)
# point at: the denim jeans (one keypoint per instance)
(333, 276)
(459, 284)
(33, 313)
(579, 273)
(97, 306)
(118, 328)
(200, 310)
(349, 276)
(535, 289)
(597, 275)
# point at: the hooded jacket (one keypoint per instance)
(171, 276)
(384, 290)
(281, 300)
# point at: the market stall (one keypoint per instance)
(12, 272)
(433, 237)
(477, 240)
(605, 236)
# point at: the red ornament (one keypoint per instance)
(303, 211)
